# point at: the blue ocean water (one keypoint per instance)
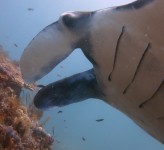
(75, 128)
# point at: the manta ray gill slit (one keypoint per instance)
(143, 103)
(116, 51)
(137, 68)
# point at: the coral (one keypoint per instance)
(9, 137)
(19, 128)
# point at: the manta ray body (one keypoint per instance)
(125, 44)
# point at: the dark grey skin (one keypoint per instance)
(70, 90)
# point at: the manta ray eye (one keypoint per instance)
(69, 20)
(76, 19)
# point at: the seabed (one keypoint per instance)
(19, 127)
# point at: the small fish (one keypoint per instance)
(15, 45)
(60, 111)
(30, 9)
(83, 138)
(99, 120)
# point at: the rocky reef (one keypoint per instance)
(19, 127)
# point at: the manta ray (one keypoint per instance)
(125, 44)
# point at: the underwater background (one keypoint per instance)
(74, 126)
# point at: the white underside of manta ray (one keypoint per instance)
(126, 47)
